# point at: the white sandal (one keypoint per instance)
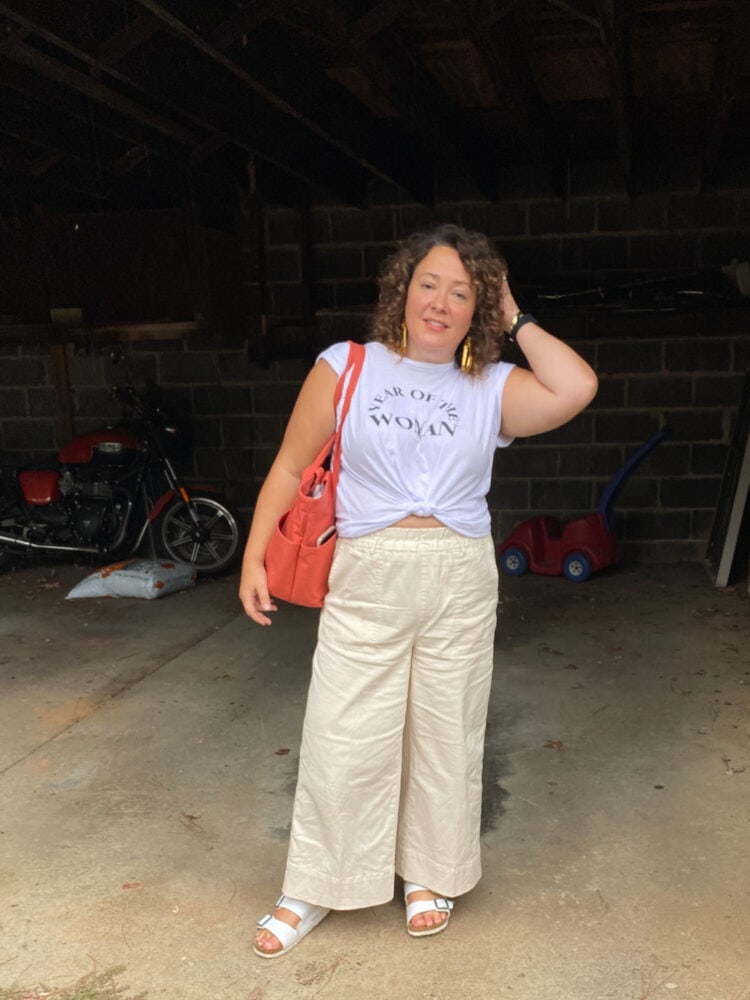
(439, 903)
(310, 916)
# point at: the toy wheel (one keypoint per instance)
(576, 567)
(514, 562)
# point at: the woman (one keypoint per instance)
(392, 744)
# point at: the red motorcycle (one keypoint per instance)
(112, 490)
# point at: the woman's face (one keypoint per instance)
(439, 307)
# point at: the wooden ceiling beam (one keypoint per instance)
(135, 33)
(31, 115)
(113, 150)
(83, 83)
(11, 33)
(330, 19)
(614, 17)
(131, 159)
(58, 24)
(44, 162)
(211, 146)
(59, 28)
(378, 17)
(426, 110)
(421, 105)
(312, 102)
(306, 85)
(508, 68)
(245, 20)
(330, 93)
(115, 48)
(576, 12)
(60, 148)
(271, 141)
(489, 11)
(23, 179)
(275, 101)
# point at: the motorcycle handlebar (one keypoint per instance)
(128, 395)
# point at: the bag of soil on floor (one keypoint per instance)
(145, 578)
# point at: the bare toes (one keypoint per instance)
(267, 942)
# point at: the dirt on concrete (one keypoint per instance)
(148, 761)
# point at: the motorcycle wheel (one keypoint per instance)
(213, 545)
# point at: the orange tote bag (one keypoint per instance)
(299, 556)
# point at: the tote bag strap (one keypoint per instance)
(354, 364)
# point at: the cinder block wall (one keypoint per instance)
(683, 369)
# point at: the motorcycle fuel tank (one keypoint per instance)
(39, 487)
(110, 445)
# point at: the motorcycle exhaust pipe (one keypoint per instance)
(24, 543)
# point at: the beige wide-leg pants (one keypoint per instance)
(390, 775)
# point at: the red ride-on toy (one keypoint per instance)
(578, 548)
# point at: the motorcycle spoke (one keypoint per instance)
(209, 547)
(193, 555)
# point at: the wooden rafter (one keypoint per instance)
(504, 60)
(157, 99)
(613, 17)
(266, 140)
(132, 36)
(83, 83)
(576, 12)
(130, 159)
(276, 101)
(489, 11)
(404, 83)
(377, 18)
(313, 92)
(32, 117)
(44, 162)
(429, 113)
(244, 20)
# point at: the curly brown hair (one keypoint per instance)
(485, 267)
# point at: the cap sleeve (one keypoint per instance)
(336, 356)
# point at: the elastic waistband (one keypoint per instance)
(415, 540)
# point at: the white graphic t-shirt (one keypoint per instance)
(419, 438)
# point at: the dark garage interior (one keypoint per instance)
(210, 187)
(200, 193)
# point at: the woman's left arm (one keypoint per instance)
(559, 385)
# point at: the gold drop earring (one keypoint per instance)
(404, 336)
(467, 361)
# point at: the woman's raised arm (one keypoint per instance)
(559, 385)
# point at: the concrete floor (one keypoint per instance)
(147, 765)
